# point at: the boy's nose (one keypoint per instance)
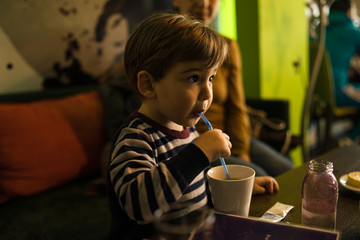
(205, 92)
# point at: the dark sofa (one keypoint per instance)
(73, 207)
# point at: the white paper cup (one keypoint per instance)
(231, 196)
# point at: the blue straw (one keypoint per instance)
(221, 159)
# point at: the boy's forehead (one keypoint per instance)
(194, 65)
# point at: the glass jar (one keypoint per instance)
(320, 193)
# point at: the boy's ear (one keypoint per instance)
(145, 84)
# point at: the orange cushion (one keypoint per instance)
(47, 143)
(85, 114)
(38, 149)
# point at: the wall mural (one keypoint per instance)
(45, 43)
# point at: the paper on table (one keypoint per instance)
(277, 212)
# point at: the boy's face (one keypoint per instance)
(184, 92)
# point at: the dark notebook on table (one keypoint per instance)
(229, 227)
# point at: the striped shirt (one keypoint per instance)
(154, 168)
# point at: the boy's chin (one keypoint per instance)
(192, 123)
(189, 122)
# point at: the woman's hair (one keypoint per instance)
(341, 5)
(164, 39)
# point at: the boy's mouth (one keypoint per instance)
(197, 113)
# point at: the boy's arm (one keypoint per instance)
(143, 186)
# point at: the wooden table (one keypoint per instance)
(345, 159)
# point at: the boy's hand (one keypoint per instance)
(214, 143)
(265, 185)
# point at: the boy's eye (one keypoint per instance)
(211, 79)
(194, 78)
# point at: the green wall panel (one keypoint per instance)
(273, 37)
(283, 54)
(248, 39)
(227, 18)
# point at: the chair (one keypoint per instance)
(323, 105)
(269, 120)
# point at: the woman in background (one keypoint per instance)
(228, 111)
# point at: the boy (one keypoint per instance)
(158, 158)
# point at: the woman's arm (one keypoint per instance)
(237, 122)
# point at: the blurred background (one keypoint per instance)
(47, 44)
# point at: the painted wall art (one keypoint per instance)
(46, 43)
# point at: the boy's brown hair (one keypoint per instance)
(164, 39)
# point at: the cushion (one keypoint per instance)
(38, 149)
(46, 143)
(85, 114)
